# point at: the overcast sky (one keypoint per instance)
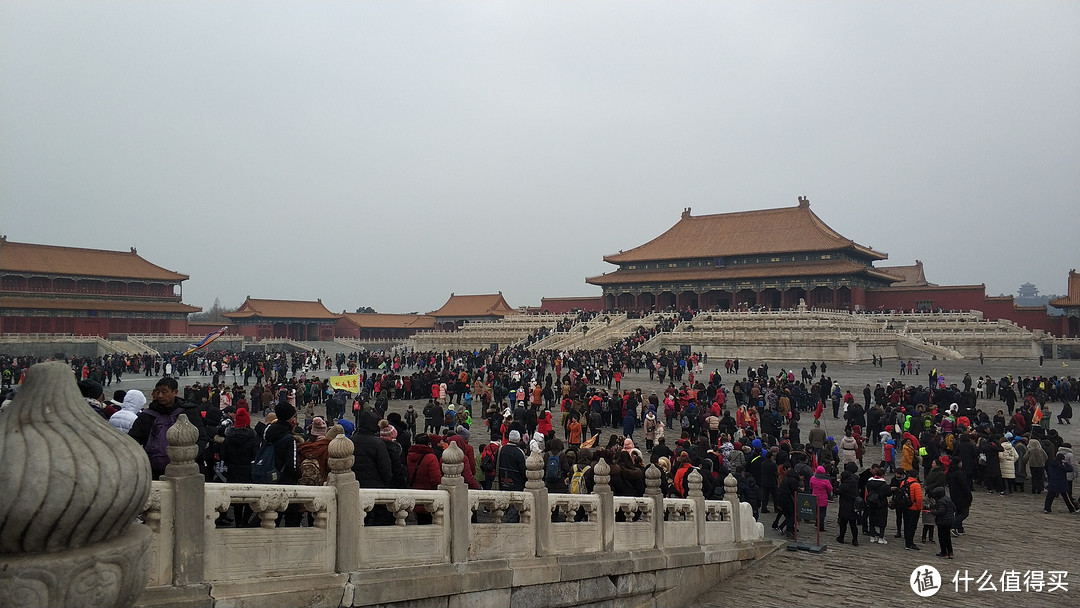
(388, 154)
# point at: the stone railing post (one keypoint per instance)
(601, 487)
(459, 514)
(534, 471)
(188, 483)
(652, 490)
(68, 535)
(349, 520)
(731, 494)
(695, 494)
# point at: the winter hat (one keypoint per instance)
(461, 430)
(387, 430)
(738, 446)
(514, 436)
(334, 431)
(90, 389)
(627, 444)
(851, 467)
(135, 399)
(318, 427)
(944, 460)
(243, 419)
(284, 411)
(820, 470)
(347, 426)
(450, 407)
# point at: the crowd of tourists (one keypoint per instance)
(939, 443)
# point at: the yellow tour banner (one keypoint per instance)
(346, 383)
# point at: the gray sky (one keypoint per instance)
(387, 154)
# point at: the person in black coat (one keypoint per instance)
(769, 481)
(785, 500)
(848, 492)
(956, 480)
(280, 435)
(966, 453)
(371, 464)
(166, 407)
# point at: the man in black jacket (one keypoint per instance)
(511, 472)
(371, 459)
(152, 423)
(279, 433)
(769, 482)
(371, 464)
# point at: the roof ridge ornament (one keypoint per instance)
(804, 202)
(686, 213)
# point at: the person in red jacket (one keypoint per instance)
(424, 471)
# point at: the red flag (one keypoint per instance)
(1037, 416)
(819, 410)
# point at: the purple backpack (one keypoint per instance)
(156, 442)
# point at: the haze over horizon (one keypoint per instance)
(387, 154)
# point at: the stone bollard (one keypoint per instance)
(601, 480)
(694, 493)
(460, 515)
(534, 471)
(189, 496)
(652, 490)
(349, 522)
(731, 494)
(71, 487)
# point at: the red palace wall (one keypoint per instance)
(965, 297)
(559, 306)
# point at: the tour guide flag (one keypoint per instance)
(207, 340)
(820, 408)
(1036, 418)
(346, 383)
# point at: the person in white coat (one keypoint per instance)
(1007, 465)
(134, 402)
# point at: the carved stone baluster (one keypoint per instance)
(534, 471)
(601, 479)
(188, 488)
(693, 480)
(652, 492)
(69, 536)
(350, 518)
(731, 494)
(460, 513)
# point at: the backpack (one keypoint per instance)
(684, 422)
(873, 498)
(311, 473)
(554, 469)
(156, 443)
(264, 468)
(487, 461)
(902, 497)
(577, 480)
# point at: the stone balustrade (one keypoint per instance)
(472, 529)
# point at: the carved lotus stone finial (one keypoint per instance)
(601, 474)
(731, 487)
(652, 480)
(694, 481)
(534, 471)
(182, 437)
(341, 452)
(452, 460)
(72, 486)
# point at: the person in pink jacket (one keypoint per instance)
(822, 487)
